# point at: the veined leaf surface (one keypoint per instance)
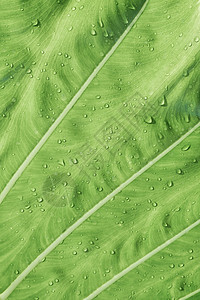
(99, 149)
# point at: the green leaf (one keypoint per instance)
(99, 149)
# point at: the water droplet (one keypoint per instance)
(93, 32)
(100, 189)
(187, 118)
(40, 200)
(163, 101)
(170, 183)
(101, 23)
(185, 73)
(179, 171)
(61, 162)
(36, 23)
(132, 6)
(75, 161)
(186, 147)
(181, 265)
(149, 120)
(74, 252)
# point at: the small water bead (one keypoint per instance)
(74, 252)
(196, 39)
(101, 24)
(132, 6)
(179, 171)
(181, 265)
(70, 28)
(16, 272)
(172, 266)
(36, 23)
(186, 147)
(163, 101)
(185, 73)
(112, 252)
(178, 209)
(149, 120)
(51, 283)
(75, 161)
(93, 32)
(170, 184)
(40, 200)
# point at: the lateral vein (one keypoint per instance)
(190, 295)
(66, 233)
(140, 261)
(33, 153)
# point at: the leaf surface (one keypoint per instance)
(119, 175)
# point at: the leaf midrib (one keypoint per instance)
(65, 234)
(52, 128)
(103, 287)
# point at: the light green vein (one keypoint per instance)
(140, 261)
(37, 148)
(65, 234)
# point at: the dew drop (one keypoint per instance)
(75, 161)
(93, 32)
(36, 23)
(163, 101)
(186, 147)
(179, 171)
(149, 120)
(170, 183)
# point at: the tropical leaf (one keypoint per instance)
(99, 149)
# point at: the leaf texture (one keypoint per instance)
(139, 115)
